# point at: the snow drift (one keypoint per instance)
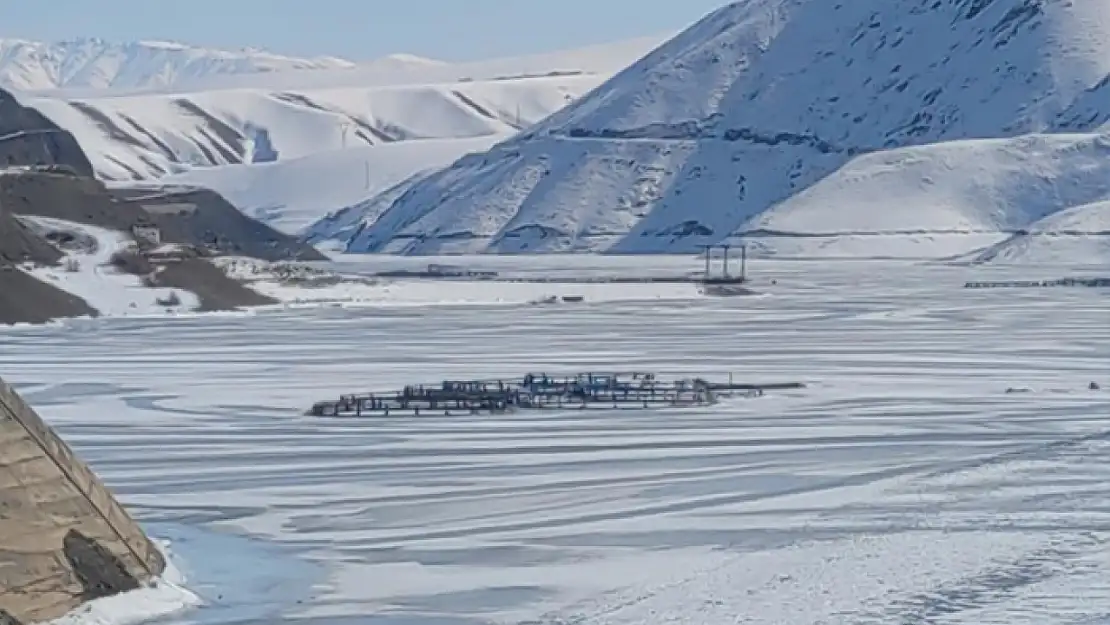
(836, 119)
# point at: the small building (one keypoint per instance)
(170, 253)
(150, 235)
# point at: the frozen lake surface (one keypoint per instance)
(905, 485)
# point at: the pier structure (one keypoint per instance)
(541, 391)
(1095, 283)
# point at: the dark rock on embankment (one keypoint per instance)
(24, 298)
(18, 244)
(188, 271)
(208, 282)
(199, 218)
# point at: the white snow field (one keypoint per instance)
(904, 485)
(937, 127)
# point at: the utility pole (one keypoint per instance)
(744, 262)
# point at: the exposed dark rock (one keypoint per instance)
(204, 218)
(18, 244)
(99, 571)
(214, 288)
(25, 299)
(27, 137)
(192, 217)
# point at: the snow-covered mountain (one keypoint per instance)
(314, 121)
(780, 121)
(96, 63)
(143, 137)
(291, 194)
(1080, 232)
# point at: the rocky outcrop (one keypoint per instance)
(23, 299)
(64, 539)
(200, 218)
(204, 218)
(27, 137)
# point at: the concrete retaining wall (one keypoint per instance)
(64, 539)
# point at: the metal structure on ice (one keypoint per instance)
(540, 391)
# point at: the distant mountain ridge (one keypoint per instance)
(91, 63)
(231, 131)
(768, 111)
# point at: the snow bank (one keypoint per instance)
(89, 274)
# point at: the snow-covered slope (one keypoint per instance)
(938, 200)
(288, 114)
(149, 136)
(712, 133)
(333, 231)
(95, 63)
(309, 120)
(291, 194)
(1078, 234)
(88, 273)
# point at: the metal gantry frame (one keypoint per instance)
(724, 247)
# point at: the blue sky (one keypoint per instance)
(357, 29)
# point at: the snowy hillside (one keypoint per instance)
(148, 136)
(89, 274)
(337, 228)
(290, 194)
(289, 114)
(95, 63)
(714, 132)
(1078, 233)
(317, 119)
